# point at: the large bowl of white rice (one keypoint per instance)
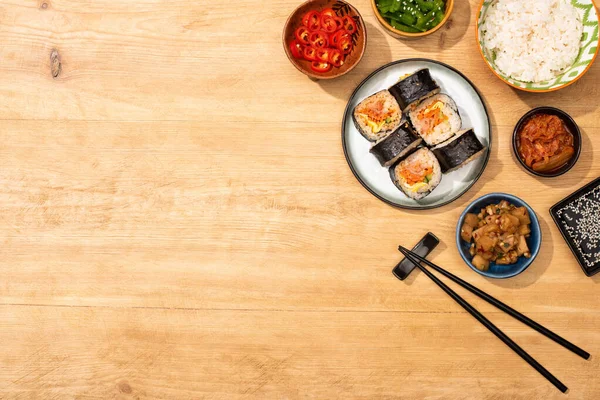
(538, 45)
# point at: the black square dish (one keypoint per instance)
(578, 220)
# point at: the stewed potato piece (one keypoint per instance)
(524, 230)
(472, 220)
(480, 263)
(522, 248)
(466, 232)
(486, 243)
(522, 214)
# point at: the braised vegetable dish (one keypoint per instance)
(544, 143)
(499, 233)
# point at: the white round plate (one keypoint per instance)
(375, 178)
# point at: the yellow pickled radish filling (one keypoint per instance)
(437, 105)
(417, 186)
(417, 176)
(375, 126)
(420, 185)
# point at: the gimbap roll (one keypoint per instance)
(413, 88)
(459, 151)
(377, 116)
(436, 119)
(418, 174)
(397, 145)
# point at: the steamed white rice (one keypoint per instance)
(533, 40)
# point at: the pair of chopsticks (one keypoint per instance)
(417, 260)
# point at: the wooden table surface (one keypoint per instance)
(178, 220)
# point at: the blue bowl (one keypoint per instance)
(534, 241)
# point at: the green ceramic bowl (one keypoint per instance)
(585, 59)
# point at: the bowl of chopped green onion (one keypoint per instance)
(411, 19)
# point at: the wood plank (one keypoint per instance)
(89, 353)
(163, 214)
(156, 60)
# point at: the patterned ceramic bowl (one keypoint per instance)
(585, 59)
(342, 9)
(398, 34)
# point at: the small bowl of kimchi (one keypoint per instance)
(547, 142)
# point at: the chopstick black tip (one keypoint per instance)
(402, 249)
(406, 253)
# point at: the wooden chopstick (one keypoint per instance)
(504, 307)
(488, 324)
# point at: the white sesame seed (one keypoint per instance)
(580, 220)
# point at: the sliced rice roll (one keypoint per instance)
(436, 119)
(377, 116)
(458, 151)
(413, 88)
(418, 174)
(397, 145)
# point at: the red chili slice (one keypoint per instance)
(339, 23)
(310, 53)
(345, 45)
(328, 12)
(311, 20)
(305, 19)
(319, 39)
(349, 24)
(335, 38)
(320, 67)
(297, 49)
(328, 23)
(336, 58)
(302, 35)
(323, 54)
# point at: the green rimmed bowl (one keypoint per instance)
(585, 58)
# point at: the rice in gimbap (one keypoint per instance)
(418, 174)
(436, 119)
(377, 116)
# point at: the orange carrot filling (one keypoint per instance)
(415, 173)
(432, 116)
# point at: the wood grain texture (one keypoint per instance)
(178, 221)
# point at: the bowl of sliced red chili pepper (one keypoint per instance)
(325, 39)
